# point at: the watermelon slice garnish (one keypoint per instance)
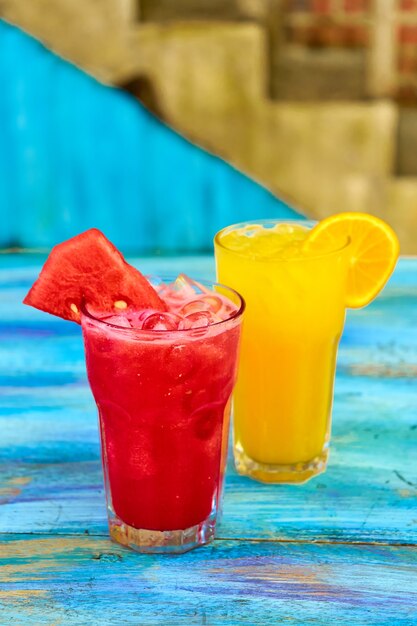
(88, 270)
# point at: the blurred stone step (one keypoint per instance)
(406, 164)
(300, 73)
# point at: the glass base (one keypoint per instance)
(269, 473)
(162, 542)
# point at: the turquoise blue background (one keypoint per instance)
(75, 154)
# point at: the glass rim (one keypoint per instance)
(303, 222)
(161, 333)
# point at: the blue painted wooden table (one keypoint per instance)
(340, 549)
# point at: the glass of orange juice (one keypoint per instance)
(295, 296)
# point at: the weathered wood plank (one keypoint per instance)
(50, 477)
(84, 580)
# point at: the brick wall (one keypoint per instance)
(308, 32)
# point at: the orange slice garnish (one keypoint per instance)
(374, 250)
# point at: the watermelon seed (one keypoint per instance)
(120, 304)
(74, 308)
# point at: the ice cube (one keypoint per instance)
(176, 293)
(198, 319)
(214, 303)
(179, 290)
(251, 230)
(227, 310)
(160, 321)
(188, 287)
(120, 320)
(194, 306)
(210, 303)
(136, 318)
(183, 286)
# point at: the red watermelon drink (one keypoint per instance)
(161, 362)
(162, 382)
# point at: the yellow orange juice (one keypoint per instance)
(295, 299)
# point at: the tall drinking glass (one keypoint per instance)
(293, 322)
(163, 399)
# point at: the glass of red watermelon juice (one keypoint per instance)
(162, 383)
